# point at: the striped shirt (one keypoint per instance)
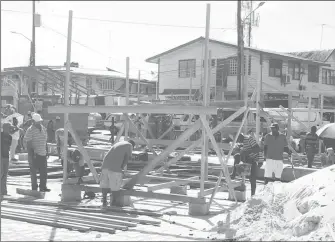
(38, 138)
(250, 142)
(311, 140)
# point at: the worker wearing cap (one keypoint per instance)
(113, 166)
(36, 140)
(275, 144)
(6, 140)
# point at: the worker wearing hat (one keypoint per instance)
(275, 144)
(6, 140)
(36, 139)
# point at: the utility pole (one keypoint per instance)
(239, 54)
(33, 44)
(250, 25)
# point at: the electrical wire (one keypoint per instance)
(123, 22)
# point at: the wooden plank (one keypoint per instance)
(181, 154)
(83, 152)
(151, 164)
(125, 217)
(166, 132)
(171, 184)
(32, 193)
(112, 223)
(219, 154)
(74, 207)
(152, 108)
(161, 196)
(119, 134)
(43, 221)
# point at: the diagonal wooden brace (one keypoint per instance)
(136, 179)
(229, 154)
(219, 154)
(83, 151)
(147, 126)
(119, 134)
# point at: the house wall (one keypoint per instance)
(169, 64)
(331, 60)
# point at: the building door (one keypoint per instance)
(222, 71)
(313, 73)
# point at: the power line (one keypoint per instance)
(122, 22)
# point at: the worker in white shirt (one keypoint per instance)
(15, 139)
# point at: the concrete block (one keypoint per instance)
(198, 209)
(23, 156)
(71, 193)
(181, 190)
(240, 196)
(120, 200)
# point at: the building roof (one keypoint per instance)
(154, 59)
(316, 55)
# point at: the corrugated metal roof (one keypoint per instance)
(316, 55)
(154, 59)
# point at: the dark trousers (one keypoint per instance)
(4, 175)
(310, 157)
(38, 163)
(253, 172)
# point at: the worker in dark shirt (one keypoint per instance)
(6, 140)
(311, 143)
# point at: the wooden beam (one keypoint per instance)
(229, 154)
(331, 93)
(294, 118)
(160, 196)
(163, 155)
(140, 134)
(223, 188)
(181, 154)
(166, 132)
(119, 134)
(289, 122)
(171, 184)
(219, 154)
(83, 151)
(152, 108)
(147, 126)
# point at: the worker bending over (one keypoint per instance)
(59, 136)
(275, 144)
(248, 153)
(113, 167)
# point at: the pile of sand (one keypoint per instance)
(300, 210)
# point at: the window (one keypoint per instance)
(45, 87)
(186, 67)
(294, 69)
(313, 73)
(328, 77)
(106, 84)
(233, 66)
(33, 87)
(275, 68)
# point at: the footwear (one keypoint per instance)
(45, 190)
(14, 159)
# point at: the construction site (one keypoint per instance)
(178, 183)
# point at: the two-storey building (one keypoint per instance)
(182, 71)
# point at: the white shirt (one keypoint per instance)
(16, 135)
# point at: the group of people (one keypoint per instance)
(35, 140)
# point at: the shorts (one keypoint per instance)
(273, 166)
(111, 179)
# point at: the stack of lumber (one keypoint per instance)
(75, 217)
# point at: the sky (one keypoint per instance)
(284, 26)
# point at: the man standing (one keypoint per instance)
(15, 139)
(113, 167)
(6, 140)
(275, 144)
(36, 139)
(311, 143)
(249, 153)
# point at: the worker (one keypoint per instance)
(311, 143)
(15, 132)
(59, 136)
(36, 140)
(51, 131)
(113, 167)
(29, 122)
(58, 124)
(249, 153)
(275, 144)
(6, 140)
